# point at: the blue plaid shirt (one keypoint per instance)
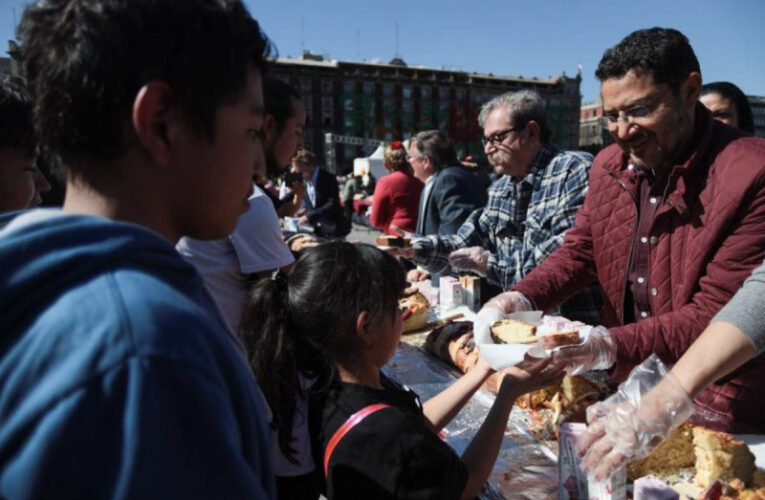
(522, 223)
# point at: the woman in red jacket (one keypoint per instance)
(397, 195)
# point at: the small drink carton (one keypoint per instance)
(472, 287)
(451, 292)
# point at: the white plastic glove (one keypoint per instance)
(635, 420)
(598, 352)
(470, 259)
(496, 309)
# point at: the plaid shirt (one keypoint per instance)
(522, 223)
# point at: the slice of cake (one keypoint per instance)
(513, 331)
(558, 339)
(672, 455)
(720, 455)
(576, 388)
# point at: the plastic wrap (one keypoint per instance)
(632, 422)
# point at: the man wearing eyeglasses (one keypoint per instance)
(529, 209)
(673, 223)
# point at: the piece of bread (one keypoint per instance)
(513, 331)
(571, 389)
(393, 241)
(536, 399)
(672, 455)
(714, 455)
(558, 339)
(720, 456)
(576, 388)
(415, 311)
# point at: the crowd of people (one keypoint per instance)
(161, 339)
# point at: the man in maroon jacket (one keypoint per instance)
(673, 223)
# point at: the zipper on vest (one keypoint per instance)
(620, 313)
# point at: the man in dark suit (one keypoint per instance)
(321, 203)
(451, 192)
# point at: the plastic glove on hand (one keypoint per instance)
(470, 259)
(632, 422)
(496, 309)
(598, 352)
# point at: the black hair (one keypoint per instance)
(16, 123)
(737, 98)
(86, 60)
(279, 97)
(663, 53)
(306, 322)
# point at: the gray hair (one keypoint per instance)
(436, 145)
(523, 107)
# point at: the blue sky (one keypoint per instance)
(513, 37)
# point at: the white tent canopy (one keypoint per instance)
(373, 163)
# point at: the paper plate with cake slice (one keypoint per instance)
(511, 338)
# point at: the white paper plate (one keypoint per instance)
(501, 356)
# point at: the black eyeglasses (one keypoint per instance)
(496, 139)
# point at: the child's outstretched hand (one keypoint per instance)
(532, 374)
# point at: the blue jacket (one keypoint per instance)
(117, 377)
(453, 197)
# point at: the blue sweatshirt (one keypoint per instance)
(117, 377)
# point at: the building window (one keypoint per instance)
(407, 106)
(369, 89)
(326, 87)
(460, 94)
(348, 104)
(349, 88)
(387, 90)
(443, 93)
(305, 86)
(425, 92)
(406, 92)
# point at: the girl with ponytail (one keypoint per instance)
(332, 324)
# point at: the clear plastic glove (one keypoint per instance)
(598, 352)
(496, 309)
(632, 422)
(470, 259)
